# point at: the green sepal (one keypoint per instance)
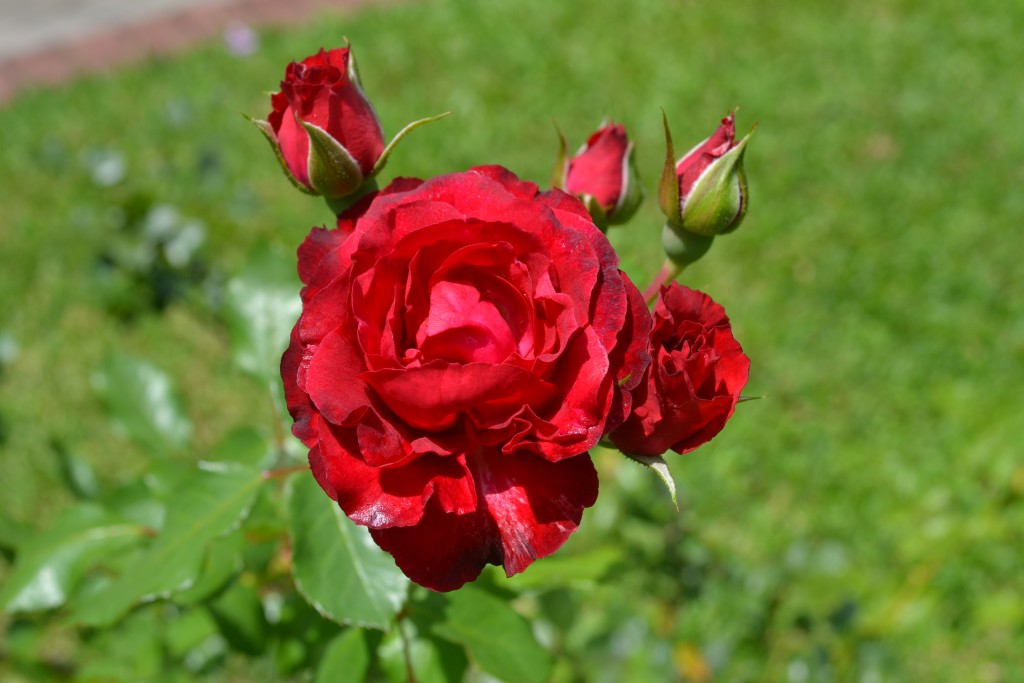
(668, 186)
(632, 192)
(683, 247)
(353, 68)
(333, 172)
(597, 214)
(339, 205)
(379, 166)
(560, 172)
(268, 132)
(660, 467)
(717, 202)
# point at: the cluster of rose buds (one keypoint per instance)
(465, 340)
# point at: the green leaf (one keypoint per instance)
(222, 563)
(143, 402)
(346, 659)
(431, 659)
(187, 631)
(337, 566)
(77, 473)
(498, 639)
(301, 633)
(12, 533)
(240, 618)
(246, 447)
(565, 569)
(136, 502)
(261, 306)
(50, 564)
(660, 467)
(206, 505)
(131, 651)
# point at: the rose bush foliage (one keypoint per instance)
(463, 342)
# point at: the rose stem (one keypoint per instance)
(669, 271)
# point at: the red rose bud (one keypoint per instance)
(603, 175)
(324, 130)
(705, 192)
(694, 380)
(463, 343)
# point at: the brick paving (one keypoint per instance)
(47, 42)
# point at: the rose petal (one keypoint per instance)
(332, 378)
(597, 169)
(317, 244)
(384, 497)
(433, 396)
(695, 162)
(463, 328)
(631, 356)
(299, 405)
(694, 381)
(527, 508)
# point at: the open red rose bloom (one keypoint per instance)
(464, 341)
(693, 383)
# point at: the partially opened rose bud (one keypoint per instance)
(323, 128)
(603, 175)
(705, 192)
(326, 133)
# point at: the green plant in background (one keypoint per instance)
(869, 530)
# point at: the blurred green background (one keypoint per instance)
(864, 522)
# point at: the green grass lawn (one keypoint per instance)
(864, 522)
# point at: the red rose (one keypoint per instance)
(461, 347)
(694, 380)
(603, 175)
(323, 91)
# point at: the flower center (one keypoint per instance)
(462, 327)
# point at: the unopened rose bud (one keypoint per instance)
(705, 192)
(603, 175)
(323, 128)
